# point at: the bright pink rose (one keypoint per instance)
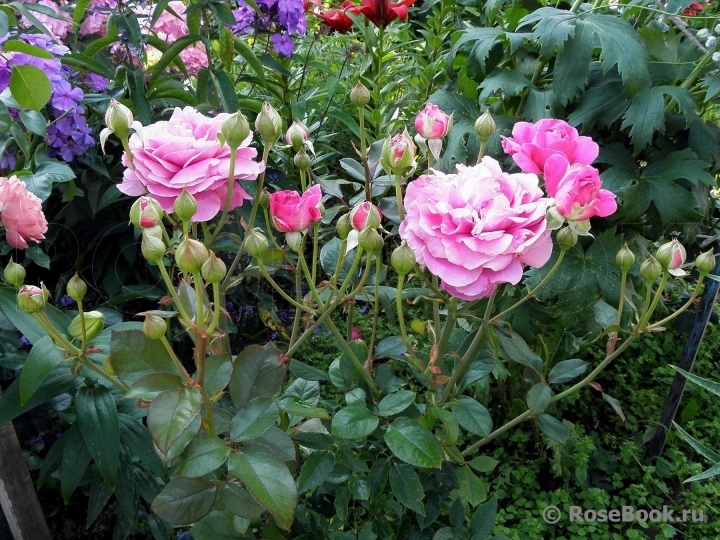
(365, 214)
(532, 144)
(432, 123)
(21, 213)
(292, 212)
(184, 152)
(355, 333)
(477, 228)
(576, 190)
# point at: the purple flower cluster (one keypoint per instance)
(69, 136)
(279, 17)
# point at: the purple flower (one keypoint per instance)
(283, 44)
(65, 97)
(66, 301)
(97, 83)
(25, 341)
(7, 160)
(70, 136)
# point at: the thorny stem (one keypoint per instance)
(183, 372)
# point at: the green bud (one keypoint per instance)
(296, 136)
(398, 153)
(146, 212)
(154, 327)
(213, 270)
(650, 269)
(31, 299)
(302, 160)
(255, 243)
(94, 325)
(566, 238)
(190, 255)
(360, 95)
(402, 259)
(268, 124)
(235, 130)
(185, 206)
(370, 240)
(14, 273)
(705, 262)
(485, 126)
(294, 240)
(119, 119)
(344, 226)
(155, 232)
(625, 258)
(264, 200)
(152, 248)
(76, 288)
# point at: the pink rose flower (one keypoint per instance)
(477, 228)
(432, 123)
(532, 144)
(365, 214)
(576, 190)
(292, 212)
(355, 333)
(21, 213)
(184, 152)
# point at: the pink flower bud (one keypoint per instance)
(671, 255)
(296, 136)
(365, 215)
(146, 212)
(432, 123)
(31, 299)
(398, 153)
(355, 333)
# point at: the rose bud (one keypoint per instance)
(705, 262)
(31, 299)
(402, 259)
(432, 123)
(370, 240)
(154, 327)
(14, 273)
(302, 160)
(190, 255)
(146, 212)
(296, 136)
(671, 255)
(264, 198)
(256, 244)
(94, 324)
(185, 206)
(76, 288)
(344, 226)
(268, 124)
(355, 333)
(118, 118)
(398, 154)
(650, 269)
(213, 270)
(485, 126)
(365, 215)
(235, 130)
(625, 258)
(566, 238)
(360, 95)
(152, 248)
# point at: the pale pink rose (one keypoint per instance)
(576, 190)
(532, 144)
(94, 23)
(194, 58)
(21, 213)
(365, 214)
(477, 229)
(292, 212)
(59, 27)
(184, 152)
(432, 123)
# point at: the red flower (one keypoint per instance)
(383, 12)
(334, 18)
(693, 8)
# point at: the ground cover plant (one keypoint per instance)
(383, 270)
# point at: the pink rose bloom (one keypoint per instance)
(532, 144)
(94, 23)
(477, 228)
(184, 152)
(576, 190)
(194, 58)
(21, 213)
(292, 212)
(432, 123)
(58, 27)
(355, 333)
(365, 214)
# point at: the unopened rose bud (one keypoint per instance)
(294, 240)
(146, 212)
(370, 240)
(119, 119)
(155, 232)
(94, 325)
(302, 160)
(398, 154)
(433, 123)
(566, 238)
(190, 255)
(185, 206)
(365, 215)
(485, 126)
(154, 327)
(625, 258)
(31, 299)
(296, 136)
(360, 95)
(264, 198)
(650, 269)
(268, 124)
(235, 130)
(14, 273)
(76, 288)
(152, 248)
(403, 259)
(213, 270)
(671, 255)
(705, 262)
(343, 226)
(256, 245)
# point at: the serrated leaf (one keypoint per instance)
(566, 371)
(149, 386)
(538, 398)
(317, 467)
(354, 422)
(472, 416)
(133, 355)
(256, 373)
(516, 348)
(395, 403)
(554, 27)
(205, 454)
(254, 419)
(553, 428)
(572, 65)
(483, 520)
(405, 485)
(238, 501)
(508, 83)
(413, 444)
(304, 371)
(171, 414)
(644, 117)
(185, 500)
(483, 463)
(474, 489)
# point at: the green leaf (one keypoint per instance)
(483, 520)
(100, 493)
(472, 416)
(516, 348)
(406, 487)
(171, 54)
(136, 85)
(707, 384)
(508, 83)
(15, 45)
(712, 83)
(254, 419)
(354, 422)
(538, 398)
(615, 404)
(36, 255)
(295, 407)
(279, 442)
(216, 526)
(225, 89)
(317, 467)
(43, 357)
(75, 461)
(359, 487)
(238, 501)
(133, 355)
(553, 428)
(572, 65)
(34, 121)
(205, 454)
(483, 463)
(710, 473)
(699, 447)
(413, 444)
(185, 500)
(268, 479)
(30, 87)
(566, 371)
(4, 24)
(149, 386)
(247, 53)
(645, 116)
(304, 371)
(553, 28)
(135, 437)
(79, 11)
(602, 104)
(171, 414)
(395, 403)
(218, 369)
(256, 373)
(474, 489)
(98, 420)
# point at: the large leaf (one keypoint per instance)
(98, 420)
(406, 487)
(472, 416)
(254, 419)
(205, 454)
(256, 373)
(483, 520)
(395, 403)
(147, 388)
(75, 461)
(516, 348)
(707, 384)
(413, 444)
(553, 428)
(133, 355)
(554, 27)
(268, 479)
(315, 470)
(135, 437)
(43, 357)
(171, 414)
(354, 422)
(30, 87)
(538, 398)
(185, 500)
(566, 371)
(238, 501)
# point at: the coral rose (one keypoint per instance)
(292, 212)
(477, 228)
(21, 213)
(576, 190)
(184, 152)
(532, 144)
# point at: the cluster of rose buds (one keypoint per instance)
(669, 257)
